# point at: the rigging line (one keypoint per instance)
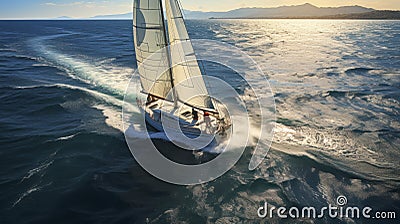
(180, 7)
(167, 45)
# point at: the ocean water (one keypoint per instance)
(63, 156)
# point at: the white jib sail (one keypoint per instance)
(150, 40)
(184, 62)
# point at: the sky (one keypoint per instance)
(20, 9)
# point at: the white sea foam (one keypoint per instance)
(65, 138)
(100, 74)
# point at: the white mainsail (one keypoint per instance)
(181, 50)
(150, 40)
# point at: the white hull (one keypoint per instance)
(189, 127)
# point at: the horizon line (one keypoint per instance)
(123, 13)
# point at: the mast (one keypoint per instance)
(175, 94)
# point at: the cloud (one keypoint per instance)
(82, 4)
(50, 4)
(69, 4)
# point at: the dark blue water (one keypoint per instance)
(63, 157)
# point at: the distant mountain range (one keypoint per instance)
(290, 12)
(63, 18)
(117, 16)
(305, 10)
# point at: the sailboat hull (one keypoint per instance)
(191, 129)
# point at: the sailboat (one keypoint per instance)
(179, 93)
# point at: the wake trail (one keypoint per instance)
(102, 75)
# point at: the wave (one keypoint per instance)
(358, 71)
(24, 57)
(25, 194)
(331, 144)
(8, 50)
(345, 93)
(64, 138)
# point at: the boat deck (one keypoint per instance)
(188, 125)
